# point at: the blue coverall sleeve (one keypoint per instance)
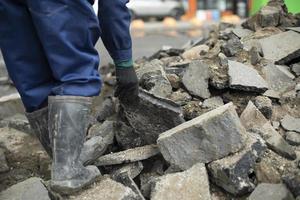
(114, 19)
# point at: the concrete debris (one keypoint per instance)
(245, 78)
(131, 169)
(18, 122)
(30, 189)
(266, 191)
(3, 163)
(198, 140)
(126, 137)
(232, 46)
(196, 78)
(191, 184)
(152, 116)
(153, 78)
(266, 172)
(264, 105)
(274, 14)
(10, 105)
(180, 97)
(25, 157)
(212, 103)
(281, 48)
(296, 68)
(290, 123)
(196, 52)
(254, 120)
(160, 147)
(106, 189)
(126, 180)
(292, 181)
(233, 173)
(293, 138)
(278, 77)
(128, 156)
(241, 32)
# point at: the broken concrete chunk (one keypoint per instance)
(266, 191)
(245, 78)
(126, 137)
(107, 189)
(254, 120)
(180, 97)
(290, 123)
(30, 189)
(94, 148)
(152, 116)
(128, 156)
(196, 78)
(209, 137)
(264, 105)
(191, 184)
(266, 172)
(241, 32)
(233, 173)
(292, 181)
(3, 163)
(18, 122)
(296, 68)
(272, 94)
(195, 52)
(132, 169)
(293, 138)
(280, 146)
(126, 180)
(153, 78)
(212, 103)
(10, 105)
(278, 78)
(104, 130)
(232, 46)
(281, 48)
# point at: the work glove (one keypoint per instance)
(127, 89)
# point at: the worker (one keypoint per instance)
(48, 48)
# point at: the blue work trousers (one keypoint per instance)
(48, 45)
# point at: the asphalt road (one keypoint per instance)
(146, 46)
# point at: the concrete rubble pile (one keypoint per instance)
(217, 119)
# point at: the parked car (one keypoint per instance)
(156, 8)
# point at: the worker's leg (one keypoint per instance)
(23, 54)
(68, 31)
(114, 20)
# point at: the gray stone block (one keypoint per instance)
(152, 116)
(266, 191)
(232, 173)
(30, 189)
(243, 77)
(209, 137)
(191, 184)
(196, 78)
(281, 48)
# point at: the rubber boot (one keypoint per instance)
(68, 120)
(38, 121)
(92, 149)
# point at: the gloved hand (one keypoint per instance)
(127, 89)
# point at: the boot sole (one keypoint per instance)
(68, 187)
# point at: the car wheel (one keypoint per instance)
(177, 13)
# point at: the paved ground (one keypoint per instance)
(146, 46)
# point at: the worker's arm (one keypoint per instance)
(114, 18)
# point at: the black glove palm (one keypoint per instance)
(127, 85)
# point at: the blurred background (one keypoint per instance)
(155, 23)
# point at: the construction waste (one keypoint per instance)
(217, 119)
